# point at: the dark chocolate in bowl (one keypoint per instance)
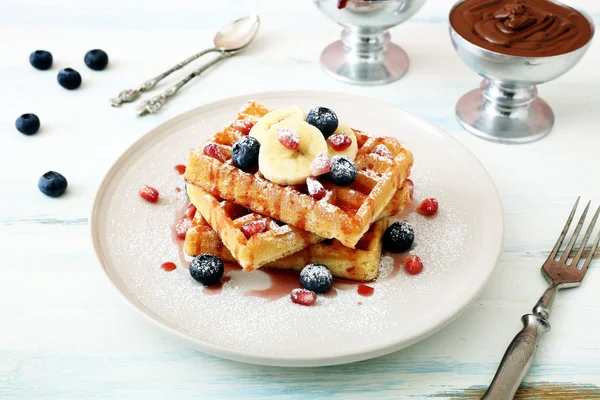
(524, 28)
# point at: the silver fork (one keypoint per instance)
(561, 275)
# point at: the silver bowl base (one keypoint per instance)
(358, 70)
(510, 126)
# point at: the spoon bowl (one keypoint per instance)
(238, 34)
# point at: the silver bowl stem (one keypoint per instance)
(364, 58)
(505, 113)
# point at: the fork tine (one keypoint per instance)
(565, 256)
(564, 232)
(585, 239)
(588, 260)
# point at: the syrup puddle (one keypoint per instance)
(282, 284)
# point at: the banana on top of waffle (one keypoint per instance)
(346, 213)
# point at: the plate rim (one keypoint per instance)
(374, 350)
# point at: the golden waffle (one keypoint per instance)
(277, 241)
(359, 264)
(348, 212)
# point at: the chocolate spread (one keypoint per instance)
(527, 28)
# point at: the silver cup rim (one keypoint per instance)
(496, 54)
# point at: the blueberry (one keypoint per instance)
(69, 78)
(41, 59)
(316, 277)
(343, 171)
(324, 119)
(244, 152)
(96, 59)
(207, 269)
(52, 184)
(28, 124)
(398, 237)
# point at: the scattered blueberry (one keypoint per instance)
(52, 184)
(28, 124)
(324, 119)
(398, 237)
(207, 269)
(244, 152)
(316, 277)
(69, 78)
(343, 171)
(96, 59)
(41, 59)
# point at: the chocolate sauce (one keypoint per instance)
(526, 28)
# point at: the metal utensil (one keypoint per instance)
(560, 275)
(506, 107)
(365, 55)
(230, 39)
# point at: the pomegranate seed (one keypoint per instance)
(383, 151)
(340, 141)
(413, 265)
(190, 211)
(254, 227)
(303, 297)
(410, 186)
(365, 290)
(182, 227)
(428, 207)
(315, 189)
(185, 223)
(288, 138)
(213, 150)
(180, 168)
(320, 165)
(242, 125)
(148, 193)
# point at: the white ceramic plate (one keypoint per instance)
(459, 247)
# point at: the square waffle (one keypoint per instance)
(277, 241)
(359, 264)
(346, 215)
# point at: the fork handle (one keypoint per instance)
(517, 359)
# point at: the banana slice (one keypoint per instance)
(274, 117)
(351, 151)
(290, 167)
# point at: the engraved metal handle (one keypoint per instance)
(154, 104)
(129, 95)
(520, 353)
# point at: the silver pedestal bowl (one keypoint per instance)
(506, 108)
(365, 54)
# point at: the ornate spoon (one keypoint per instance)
(230, 39)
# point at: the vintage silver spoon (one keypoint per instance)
(230, 39)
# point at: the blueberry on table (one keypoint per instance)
(207, 269)
(52, 184)
(343, 171)
(244, 152)
(316, 277)
(69, 78)
(398, 237)
(323, 119)
(28, 124)
(41, 59)
(96, 59)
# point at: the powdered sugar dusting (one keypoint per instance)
(136, 238)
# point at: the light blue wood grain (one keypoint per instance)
(64, 334)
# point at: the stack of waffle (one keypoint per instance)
(343, 231)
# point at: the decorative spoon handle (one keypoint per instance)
(154, 104)
(129, 95)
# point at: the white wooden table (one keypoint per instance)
(65, 334)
